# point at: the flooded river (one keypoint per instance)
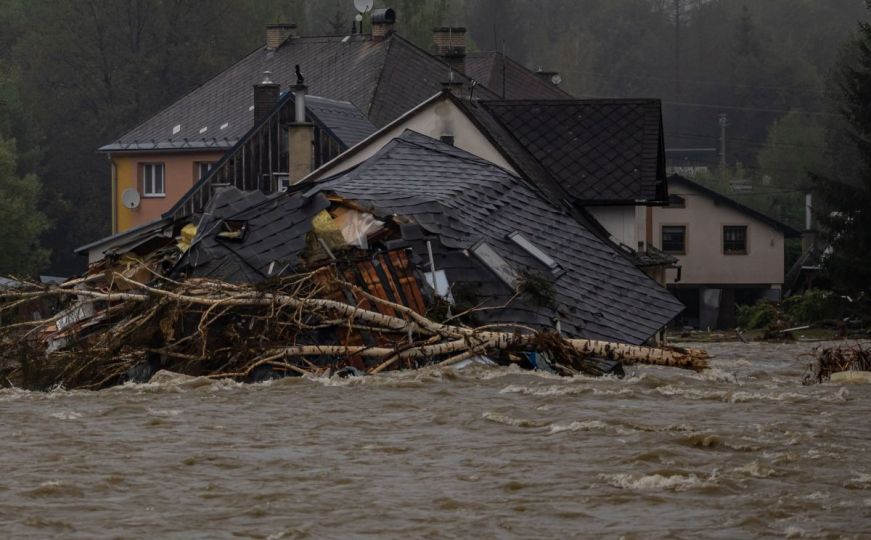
(742, 450)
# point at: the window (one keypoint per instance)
(735, 239)
(152, 180)
(495, 263)
(533, 250)
(674, 239)
(202, 168)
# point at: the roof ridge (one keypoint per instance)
(752, 212)
(458, 153)
(374, 94)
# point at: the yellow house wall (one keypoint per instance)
(179, 176)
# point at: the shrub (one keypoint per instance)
(756, 316)
(815, 305)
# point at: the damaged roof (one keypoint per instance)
(275, 231)
(588, 151)
(464, 200)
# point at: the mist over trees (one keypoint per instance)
(74, 74)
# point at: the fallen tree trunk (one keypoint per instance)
(295, 324)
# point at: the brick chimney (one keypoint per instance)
(277, 34)
(382, 22)
(450, 46)
(265, 97)
(300, 138)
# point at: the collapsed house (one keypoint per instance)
(423, 253)
(473, 230)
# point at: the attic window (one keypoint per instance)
(233, 229)
(676, 201)
(534, 250)
(495, 263)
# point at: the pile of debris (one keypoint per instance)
(830, 362)
(117, 328)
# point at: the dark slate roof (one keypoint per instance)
(276, 229)
(589, 152)
(383, 79)
(463, 199)
(488, 67)
(718, 197)
(345, 122)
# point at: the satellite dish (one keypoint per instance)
(363, 6)
(556, 79)
(130, 198)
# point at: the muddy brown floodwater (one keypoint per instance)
(742, 450)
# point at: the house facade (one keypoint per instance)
(727, 253)
(376, 77)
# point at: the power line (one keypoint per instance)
(754, 142)
(748, 109)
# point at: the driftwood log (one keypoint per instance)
(293, 324)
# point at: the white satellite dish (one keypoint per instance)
(130, 198)
(556, 79)
(363, 6)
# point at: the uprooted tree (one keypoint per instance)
(114, 326)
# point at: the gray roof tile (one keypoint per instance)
(463, 199)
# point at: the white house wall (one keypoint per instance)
(441, 117)
(620, 221)
(704, 262)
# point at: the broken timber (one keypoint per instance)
(300, 324)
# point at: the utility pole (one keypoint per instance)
(677, 96)
(724, 122)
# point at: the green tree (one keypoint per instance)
(846, 213)
(23, 222)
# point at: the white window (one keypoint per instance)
(152, 180)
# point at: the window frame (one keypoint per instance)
(662, 228)
(746, 250)
(143, 179)
(198, 169)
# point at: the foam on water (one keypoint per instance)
(676, 482)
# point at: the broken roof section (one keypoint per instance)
(465, 202)
(246, 236)
(589, 152)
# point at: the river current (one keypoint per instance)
(742, 450)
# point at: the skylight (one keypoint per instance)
(495, 263)
(534, 250)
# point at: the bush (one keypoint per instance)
(815, 305)
(756, 316)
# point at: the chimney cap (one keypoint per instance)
(383, 16)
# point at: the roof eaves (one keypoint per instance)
(787, 231)
(204, 83)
